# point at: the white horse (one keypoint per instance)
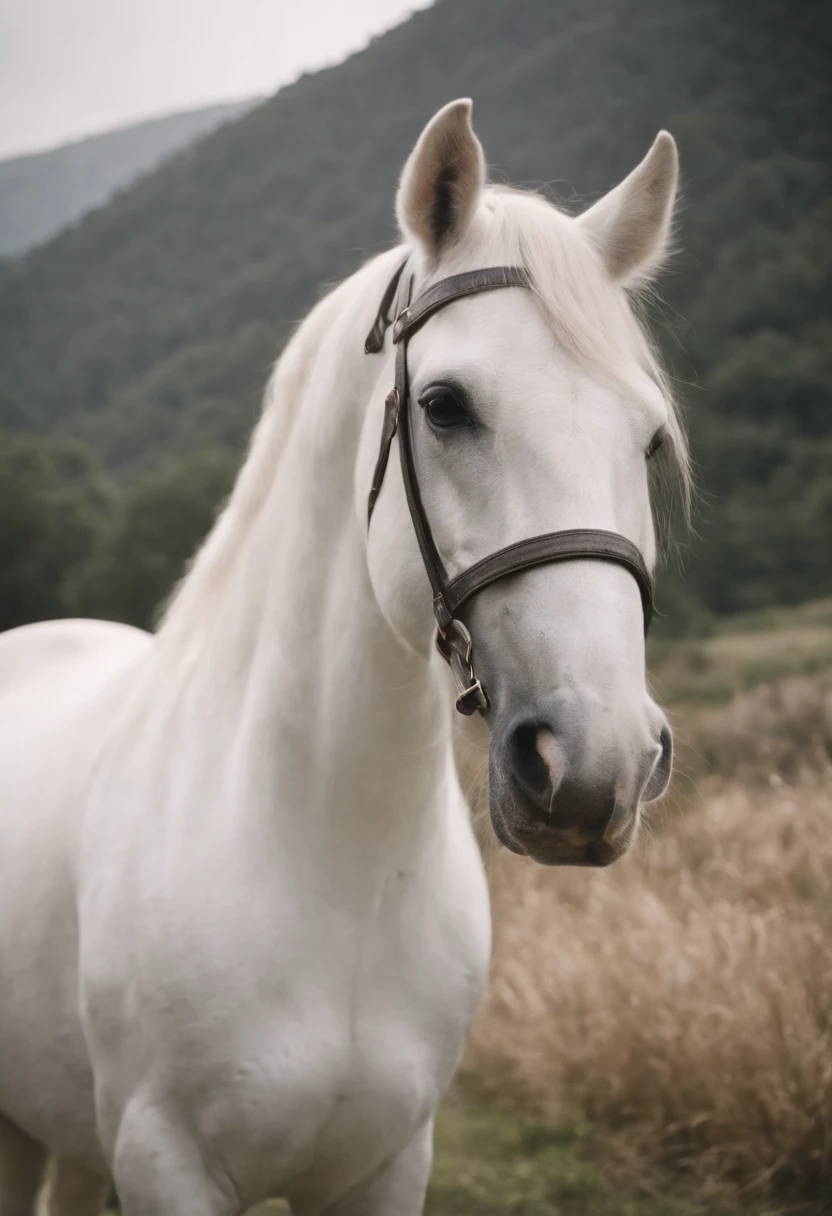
(244, 923)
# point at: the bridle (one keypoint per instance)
(449, 595)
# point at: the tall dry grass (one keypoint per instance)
(681, 1001)
(781, 730)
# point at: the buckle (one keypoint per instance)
(472, 699)
(454, 644)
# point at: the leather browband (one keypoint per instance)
(456, 287)
(449, 595)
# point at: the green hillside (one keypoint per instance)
(148, 330)
(43, 193)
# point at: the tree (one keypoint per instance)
(155, 528)
(50, 518)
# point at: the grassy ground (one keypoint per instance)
(491, 1162)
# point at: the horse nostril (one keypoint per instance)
(659, 777)
(536, 760)
(550, 753)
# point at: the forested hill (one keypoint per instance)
(43, 193)
(148, 330)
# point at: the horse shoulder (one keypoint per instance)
(55, 714)
(33, 655)
(53, 720)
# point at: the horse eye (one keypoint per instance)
(655, 443)
(443, 408)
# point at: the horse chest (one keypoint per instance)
(344, 1074)
(302, 1056)
(328, 1104)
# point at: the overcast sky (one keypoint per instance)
(70, 68)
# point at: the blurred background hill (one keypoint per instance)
(43, 193)
(145, 333)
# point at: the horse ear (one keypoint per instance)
(630, 226)
(442, 180)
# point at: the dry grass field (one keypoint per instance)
(678, 1007)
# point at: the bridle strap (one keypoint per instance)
(457, 287)
(553, 547)
(375, 338)
(421, 525)
(449, 595)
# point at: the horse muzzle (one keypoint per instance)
(566, 787)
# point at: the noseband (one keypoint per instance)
(449, 595)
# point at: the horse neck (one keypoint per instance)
(324, 716)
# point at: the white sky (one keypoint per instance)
(70, 68)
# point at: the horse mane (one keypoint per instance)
(212, 565)
(593, 318)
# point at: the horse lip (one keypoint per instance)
(601, 853)
(595, 854)
(504, 835)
